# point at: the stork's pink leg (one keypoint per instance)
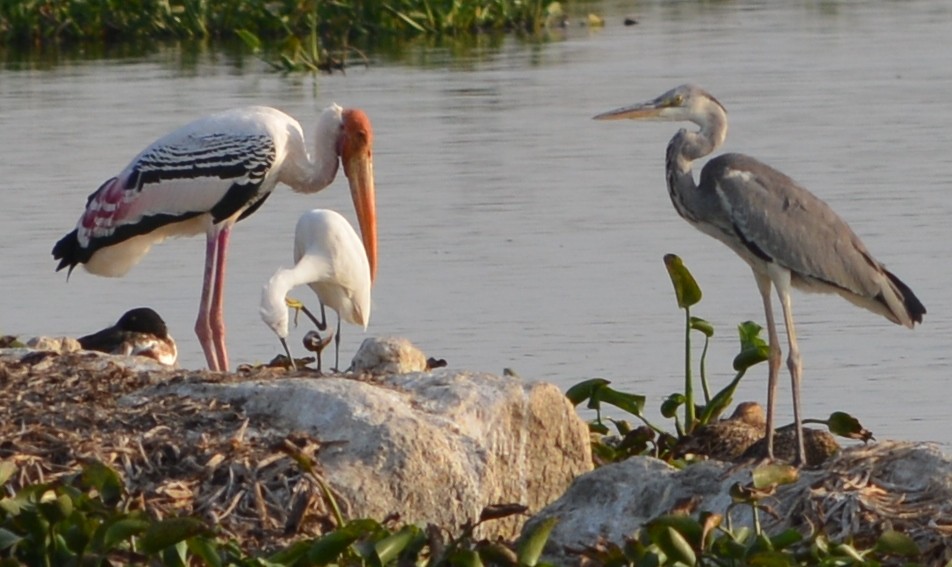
(217, 313)
(203, 327)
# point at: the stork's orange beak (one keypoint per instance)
(357, 158)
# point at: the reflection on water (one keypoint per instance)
(514, 230)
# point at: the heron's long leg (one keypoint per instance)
(203, 324)
(782, 282)
(773, 362)
(217, 311)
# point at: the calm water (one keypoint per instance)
(517, 232)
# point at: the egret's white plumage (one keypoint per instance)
(331, 260)
(788, 236)
(208, 175)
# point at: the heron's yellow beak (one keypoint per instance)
(357, 158)
(643, 111)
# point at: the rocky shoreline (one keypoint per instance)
(423, 446)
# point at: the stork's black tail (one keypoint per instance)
(69, 252)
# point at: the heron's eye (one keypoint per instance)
(677, 100)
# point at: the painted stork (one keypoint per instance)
(208, 175)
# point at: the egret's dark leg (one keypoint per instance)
(287, 351)
(336, 344)
(794, 363)
(773, 361)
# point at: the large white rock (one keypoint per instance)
(434, 447)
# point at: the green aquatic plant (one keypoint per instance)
(84, 519)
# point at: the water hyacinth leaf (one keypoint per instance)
(7, 470)
(632, 403)
(329, 547)
(621, 426)
(465, 558)
(703, 326)
(598, 427)
(585, 390)
(122, 530)
(290, 554)
(769, 558)
(897, 543)
(845, 425)
(670, 406)
(8, 538)
(753, 349)
(685, 286)
(530, 548)
(105, 480)
(390, 547)
(55, 507)
(774, 474)
(205, 549)
(171, 531)
(675, 546)
(786, 538)
(687, 527)
(496, 553)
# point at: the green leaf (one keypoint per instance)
(8, 538)
(390, 547)
(753, 349)
(585, 390)
(530, 548)
(897, 543)
(773, 474)
(164, 533)
(845, 425)
(55, 507)
(675, 546)
(122, 530)
(465, 558)
(7, 470)
(249, 39)
(632, 403)
(205, 549)
(786, 538)
(105, 480)
(669, 407)
(685, 287)
(699, 324)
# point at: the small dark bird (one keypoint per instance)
(741, 437)
(140, 332)
(727, 439)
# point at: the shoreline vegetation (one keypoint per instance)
(291, 35)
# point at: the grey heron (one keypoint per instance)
(788, 236)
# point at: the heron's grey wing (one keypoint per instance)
(795, 228)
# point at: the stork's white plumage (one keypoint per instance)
(208, 175)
